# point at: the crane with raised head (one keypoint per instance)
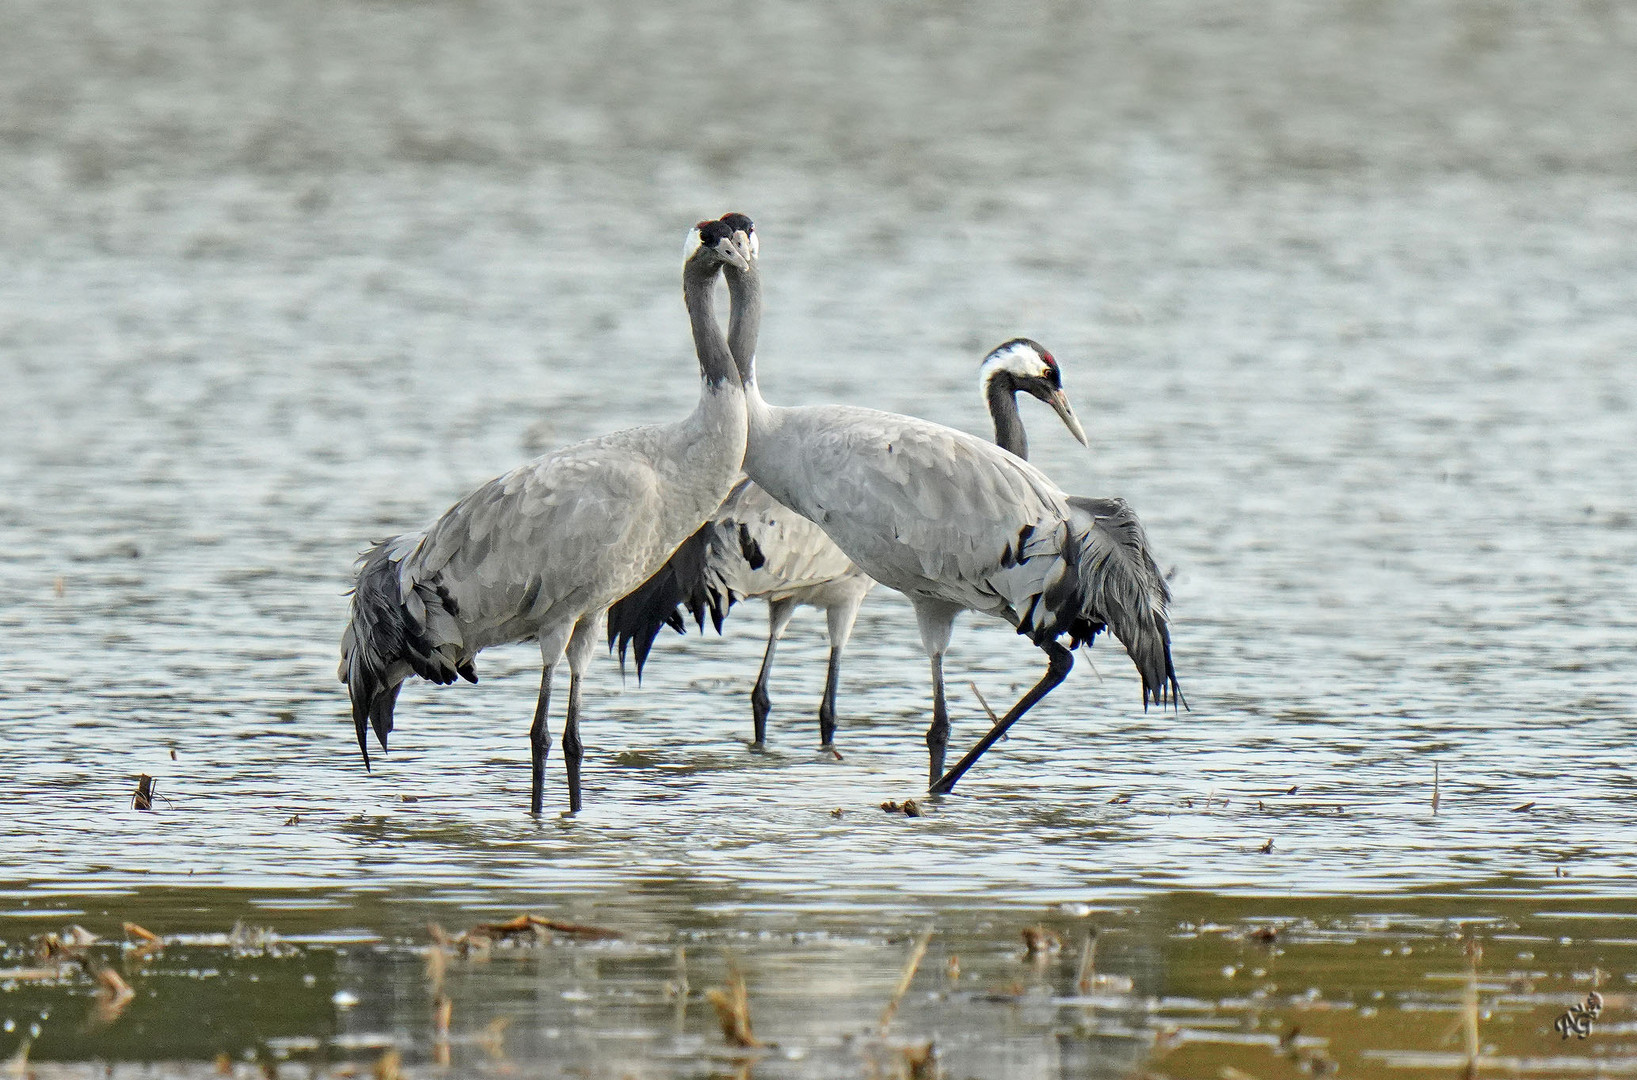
(755, 547)
(541, 552)
(957, 524)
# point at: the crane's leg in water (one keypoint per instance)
(778, 617)
(551, 653)
(580, 648)
(840, 617)
(937, 622)
(1059, 662)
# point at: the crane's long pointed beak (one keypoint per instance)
(733, 253)
(1059, 402)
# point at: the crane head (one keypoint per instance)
(744, 231)
(715, 239)
(1027, 366)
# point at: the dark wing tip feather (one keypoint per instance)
(682, 584)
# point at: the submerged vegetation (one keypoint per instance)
(1191, 987)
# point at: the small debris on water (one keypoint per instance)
(909, 807)
(920, 1062)
(113, 994)
(837, 812)
(143, 799)
(1525, 806)
(1267, 848)
(293, 819)
(1119, 800)
(1041, 941)
(1292, 790)
(151, 942)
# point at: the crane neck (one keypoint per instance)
(1001, 393)
(744, 319)
(699, 293)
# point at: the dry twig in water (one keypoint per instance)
(150, 942)
(904, 980)
(389, 1066)
(1088, 963)
(1469, 1008)
(17, 1064)
(993, 719)
(113, 994)
(733, 1009)
(143, 799)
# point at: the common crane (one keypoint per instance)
(753, 546)
(956, 524)
(541, 552)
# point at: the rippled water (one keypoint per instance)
(1344, 298)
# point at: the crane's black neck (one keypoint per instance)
(745, 319)
(1001, 393)
(699, 293)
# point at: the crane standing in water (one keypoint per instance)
(957, 524)
(540, 553)
(755, 547)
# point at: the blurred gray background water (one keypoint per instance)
(1344, 293)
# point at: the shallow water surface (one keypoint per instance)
(1345, 304)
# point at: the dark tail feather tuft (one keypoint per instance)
(383, 645)
(1111, 582)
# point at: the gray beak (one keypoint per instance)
(1059, 402)
(732, 252)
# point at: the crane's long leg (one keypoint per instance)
(778, 617)
(1059, 662)
(937, 736)
(551, 653)
(580, 648)
(540, 742)
(937, 622)
(840, 617)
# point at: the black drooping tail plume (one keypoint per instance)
(683, 583)
(1110, 582)
(386, 642)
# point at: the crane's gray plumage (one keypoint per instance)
(955, 523)
(541, 552)
(754, 546)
